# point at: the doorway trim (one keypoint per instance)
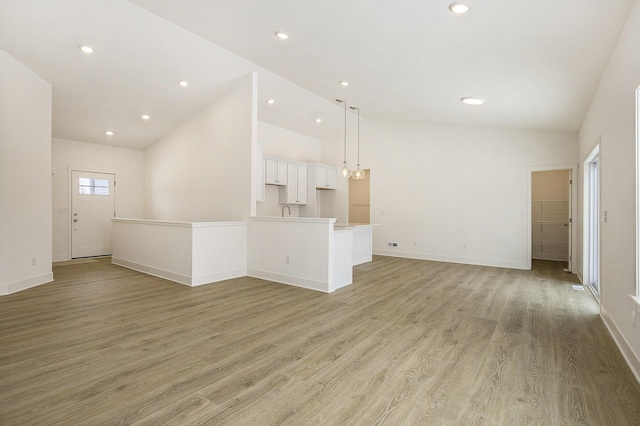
(70, 171)
(586, 218)
(573, 208)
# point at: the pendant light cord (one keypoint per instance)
(356, 108)
(345, 130)
(345, 133)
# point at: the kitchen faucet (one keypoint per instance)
(288, 208)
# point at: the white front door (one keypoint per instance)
(92, 207)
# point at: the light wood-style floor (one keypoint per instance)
(409, 343)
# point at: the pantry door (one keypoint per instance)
(92, 208)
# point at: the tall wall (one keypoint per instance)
(203, 169)
(611, 120)
(126, 164)
(288, 144)
(459, 192)
(25, 177)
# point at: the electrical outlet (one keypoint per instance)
(393, 244)
(33, 261)
(464, 247)
(287, 260)
(415, 243)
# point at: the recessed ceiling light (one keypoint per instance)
(145, 116)
(472, 101)
(108, 133)
(459, 7)
(85, 49)
(318, 120)
(271, 101)
(344, 83)
(282, 35)
(183, 83)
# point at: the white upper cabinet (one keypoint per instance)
(296, 189)
(275, 172)
(326, 177)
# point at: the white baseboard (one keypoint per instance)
(60, 258)
(453, 259)
(181, 278)
(156, 272)
(290, 280)
(627, 352)
(218, 276)
(17, 286)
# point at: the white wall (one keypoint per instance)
(447, 187)
(202, 170)
(288, 144)
(126, 164)
(25, 177)
(611, 118)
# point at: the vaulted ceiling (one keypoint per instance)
(535, 63)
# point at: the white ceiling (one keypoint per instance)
(536, 63)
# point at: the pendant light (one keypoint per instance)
(358, 174)
(345, 172)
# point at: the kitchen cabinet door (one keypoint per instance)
(332, 177)
(275, 172)
(325, 177)
(296, 189)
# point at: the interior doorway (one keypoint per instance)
(550, 215)
(554, 213)
(92, 208)
(360, 199)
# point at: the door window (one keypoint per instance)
(93, 186)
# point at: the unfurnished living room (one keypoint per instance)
(319, 213)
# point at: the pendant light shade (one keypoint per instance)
(358, 174)
(345, 172)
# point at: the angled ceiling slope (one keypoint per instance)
(536, 63)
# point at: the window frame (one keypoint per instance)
(93, 185)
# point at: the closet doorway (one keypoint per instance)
(550, 215)
(551, 212)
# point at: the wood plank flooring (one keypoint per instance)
(409, 343)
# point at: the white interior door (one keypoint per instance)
(92, 207)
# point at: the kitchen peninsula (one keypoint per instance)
(362, 245)
(312, 253)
